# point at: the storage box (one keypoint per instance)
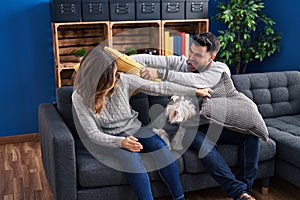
(122, 10)
(172, 9)
(95, 10)
(196, 9)
(66, 10)
(147, 9)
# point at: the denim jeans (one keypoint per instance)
(213, 161)
(136, 172)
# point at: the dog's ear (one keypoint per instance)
(174, 98)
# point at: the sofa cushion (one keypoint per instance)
(139, 102)
(192, 164)
(275, 93)
(233, 110)
(92, 173)
(285, 130)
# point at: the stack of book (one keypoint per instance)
(177, 43)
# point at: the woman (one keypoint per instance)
(101, 101)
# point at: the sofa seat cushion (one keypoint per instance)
(285, 131)
(92, 173)
(192, 164)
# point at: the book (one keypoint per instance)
(178, 45)
(187, 44)
(166, 42)
(183, 51)
(171, 45)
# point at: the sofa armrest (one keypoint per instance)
(58, 152)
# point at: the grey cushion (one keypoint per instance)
(233, 110)
(140, 103)
(275, 93)
(193, 164)
(92, 173)
(285, 131)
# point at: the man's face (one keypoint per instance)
(199, 58)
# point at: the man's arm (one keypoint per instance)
(157, 66)
(206, 79)
(177, 63)
(176, 70)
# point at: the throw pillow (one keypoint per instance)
(233, 110)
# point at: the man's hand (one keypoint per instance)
(204, 92)
(131, 143)
(149, 73)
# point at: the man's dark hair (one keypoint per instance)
(209, 40)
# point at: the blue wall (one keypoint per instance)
(27, 72)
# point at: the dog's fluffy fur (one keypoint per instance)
(178, 110)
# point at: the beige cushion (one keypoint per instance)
(233, 110)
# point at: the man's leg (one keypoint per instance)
(249, 147)
(216, 165)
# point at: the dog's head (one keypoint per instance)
(180, 109)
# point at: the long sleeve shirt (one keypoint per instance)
(178, 68)
(118, 117)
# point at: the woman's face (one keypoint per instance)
(114, 71)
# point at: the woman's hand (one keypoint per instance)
(131, 143)
(204, 92)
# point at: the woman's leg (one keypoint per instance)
(165, 161)
(133, 167)
(139, 182)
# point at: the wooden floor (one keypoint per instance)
(22, 177)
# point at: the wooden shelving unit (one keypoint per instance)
(69, 36)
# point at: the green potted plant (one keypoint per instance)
(249, 35)
(130, 51)
(79, 53)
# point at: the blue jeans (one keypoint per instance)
(136, 172)
(248, 152)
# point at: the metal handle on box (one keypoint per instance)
(67, 9)
(122, 8)
(197, 7)
(95, 8)
(148, 7)
(173, 7)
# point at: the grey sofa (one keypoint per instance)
(277, 95)
(73, 173)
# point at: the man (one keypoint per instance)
(200, 70)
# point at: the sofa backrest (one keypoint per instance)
(275, 93)
(64, 106)
(139, 102)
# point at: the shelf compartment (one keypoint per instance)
(141, 35)
(70, 36)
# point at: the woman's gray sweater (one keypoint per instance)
(118, 117)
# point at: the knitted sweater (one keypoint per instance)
(118, 117)
(206, 77)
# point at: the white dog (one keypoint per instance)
(178, 110)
